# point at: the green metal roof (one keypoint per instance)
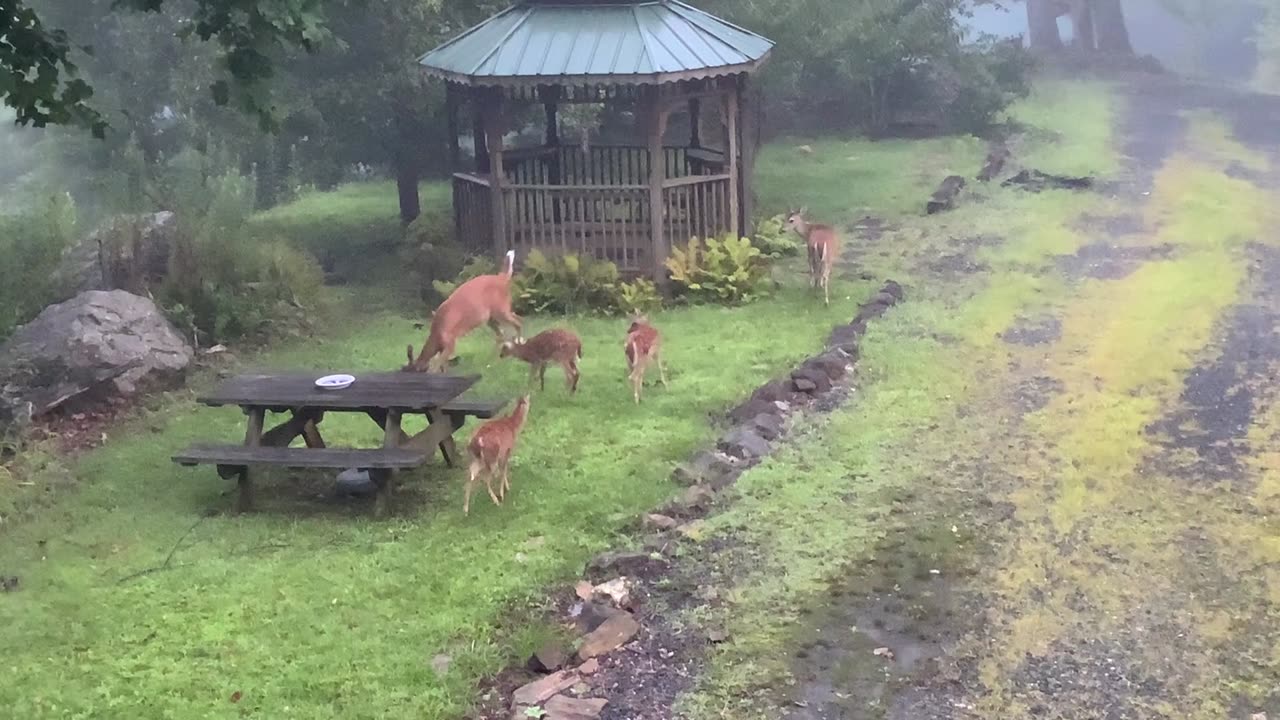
(617, 42)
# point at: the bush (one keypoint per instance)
(431, 254)
(569, 283)
(726, 270)
(774, 239)
(224, 282)
(565, 284)
(31, 247)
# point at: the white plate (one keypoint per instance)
(335, 382)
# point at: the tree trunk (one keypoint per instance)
(1082, 26)
(1042, 23)
(1113, 34)
(407, 175)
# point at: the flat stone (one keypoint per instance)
(745, 444)
(813, 375)
(354, 482)
(590, 667)
(752, 408)
(805, 386)
(845, 337)
(613, 634)
(625, 562)
(893, 288)
(567, 708)
(549, 658)
(696, 500)
(591, 615)
(542, 689)
(767, 426)
(773, 391)
(833, 364)
(704, 466)
(617, 591)
(654, 521)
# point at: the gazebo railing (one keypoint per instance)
(696, 206)
(602, 216)
(596, 165)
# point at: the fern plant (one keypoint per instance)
(727, 270)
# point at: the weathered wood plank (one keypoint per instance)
(406, 391)
(332, 458)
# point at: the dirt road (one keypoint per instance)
(1095, 530)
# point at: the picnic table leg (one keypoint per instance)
(384, 479)
(448, 447)
(252, 438)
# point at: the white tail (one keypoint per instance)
(511, 262)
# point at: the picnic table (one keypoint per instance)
(383, 397)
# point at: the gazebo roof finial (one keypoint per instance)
(622, 42)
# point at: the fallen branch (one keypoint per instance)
(168, 558)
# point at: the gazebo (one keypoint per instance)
(623, 202)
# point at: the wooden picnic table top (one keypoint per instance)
(404, 391)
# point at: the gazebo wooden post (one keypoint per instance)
(451, 113)
(550, 96)
(494, 129)
(731, 99)
(748, 128)
(478, 131)
(695, 123)
(657, 110)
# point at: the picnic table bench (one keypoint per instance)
(383, 397)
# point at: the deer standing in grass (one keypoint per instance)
(823, 246)
(643, 347)
(559, 346)
(490, 449)
(480, 300)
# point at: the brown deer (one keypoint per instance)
(480, 300)
(558, 346)
(823, 246)
(643, 347)
(490, 449)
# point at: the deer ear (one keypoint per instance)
(802, 210)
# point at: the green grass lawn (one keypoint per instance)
(311, 609)
(308, 608)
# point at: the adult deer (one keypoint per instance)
(480, 300)
(823, 246)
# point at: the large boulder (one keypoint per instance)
(94, 345)
(127, 252)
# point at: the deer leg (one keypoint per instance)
(571, 376)
(533, 373)
(506, 479)
(542, 376)
(662, 368)
(510, 318)
(637, 379)
(491, 474)
(471, 483)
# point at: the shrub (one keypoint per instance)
(726, 270)
(774, 240)
(431, 254)
(565, 284)
(224, 282)
(637, 297)
(31, 247)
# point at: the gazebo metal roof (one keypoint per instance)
(560, 41)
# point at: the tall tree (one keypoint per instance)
(1112, 31)
(1042, 25)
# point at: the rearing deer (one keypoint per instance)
(823, 245)
(480, 300)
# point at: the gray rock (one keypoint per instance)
(625, 562)
(845, 337)
(752, 408)
(705, 466)
(97, 344)
(566, 708)
(654, 521)
(548, 658)
(745, 444)
(833, 363)
(805, 386)
(814, 376)
(767, 426)
(128, 252)
(355, 482)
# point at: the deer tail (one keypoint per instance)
(511, 263)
